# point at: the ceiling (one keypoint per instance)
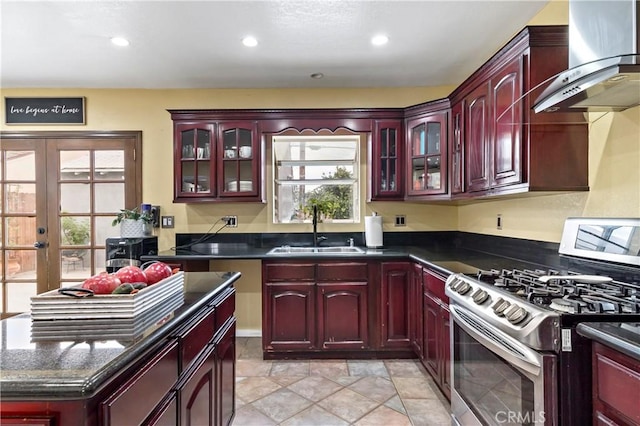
(197, 44)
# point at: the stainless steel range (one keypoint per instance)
(516, 357)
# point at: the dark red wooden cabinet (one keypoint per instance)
(507, 147)
(416, 324)
(456, 149)
(436, 355)
(427, 154)
(616, 387)
(216, 160)
(315, 306)
(395, 306)
(386, 161)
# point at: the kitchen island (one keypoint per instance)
(181, 367)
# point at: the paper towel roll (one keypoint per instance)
(373, 231)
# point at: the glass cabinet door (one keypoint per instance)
(427, 166)
(196, 150)
(238, 175)
(387, 154)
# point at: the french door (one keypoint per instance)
(60, 192)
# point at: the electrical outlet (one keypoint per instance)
(499, 221)
(167, 221)
(401, 220)
(231, 221)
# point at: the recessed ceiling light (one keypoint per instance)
(250, 41)
(119, 41)
(317, 75)
(379, 40)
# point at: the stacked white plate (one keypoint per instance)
(245, 185)
(106, 315)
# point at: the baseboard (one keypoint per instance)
(249, 333)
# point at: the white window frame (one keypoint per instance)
(331, 165)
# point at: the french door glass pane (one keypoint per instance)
(20, 231)
(109, 165)
(109, 197)
(21, 165)
(20, 198)
(74, 165)
(104, 229)
(75, 198)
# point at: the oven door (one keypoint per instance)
(496, 380)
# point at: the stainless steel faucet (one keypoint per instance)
(316, 239)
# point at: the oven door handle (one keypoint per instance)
(501, 344)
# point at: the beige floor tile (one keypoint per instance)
(404, 368)
(252, 367)
(315, 388)
(380, 389)
(367, 368)
(427, 412)
(290, 368)
(414, 387)
(348, 405)
(249, 416)
(315, 416)
(384, 416)
(282, 404)
(285, 381)
(329, 368)
(253, 388)
(396, 404)
(345, 380)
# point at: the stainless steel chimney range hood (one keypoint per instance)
(604, 59)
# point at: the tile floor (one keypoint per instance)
(334, 392)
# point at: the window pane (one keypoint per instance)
(108, 165)
(75, 197)
(100, 262)
(21, 165)
(109, 197)
(74, 165)
(20, 198)
(75, 231)
(105, 230)
(316, 170)
(20, 231)
(75, 264)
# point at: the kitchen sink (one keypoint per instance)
(315, 250)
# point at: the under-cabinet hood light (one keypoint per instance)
(120, 41)
(380, 40)
(250, 41)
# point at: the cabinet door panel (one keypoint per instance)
(342, 315)
(138, 397)
(291, 272)
(445, 341)
(197, 394)
(477, 139)
(238, 170)
(457, 148)
(289, 316)
(394, 309)
(507, 113)
(415, 297)
(386, 161)
(342, 271)
(431, 347)
(194, 153)
(427, 155)
(226, 377)
(195, 338)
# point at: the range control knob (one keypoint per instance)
(463, 288)
(480, 296)
(516, 314)
(500, 306)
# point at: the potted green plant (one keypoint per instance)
(133, 223)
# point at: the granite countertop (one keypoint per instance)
(77, 368)
(621, 336)
(446, 261)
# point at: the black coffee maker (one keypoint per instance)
(123, 252)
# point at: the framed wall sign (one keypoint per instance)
(44, 110)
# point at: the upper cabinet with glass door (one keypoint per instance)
(216, 161)
(386, 161)
(427, 155)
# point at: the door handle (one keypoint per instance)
(40, 244)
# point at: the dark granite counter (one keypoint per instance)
(620, 336)
(63, 368)
(446, 260)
